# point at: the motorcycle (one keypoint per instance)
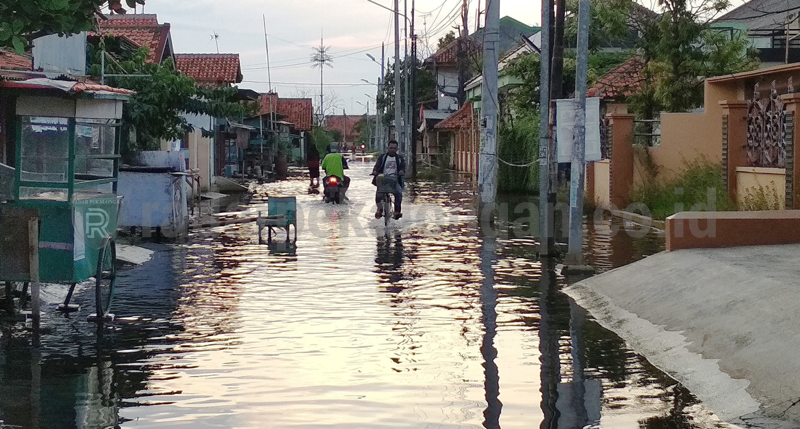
(333, 191)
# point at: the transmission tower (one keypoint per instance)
(321, 58)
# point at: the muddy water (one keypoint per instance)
(426, 324)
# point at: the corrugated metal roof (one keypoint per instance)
(761, 14)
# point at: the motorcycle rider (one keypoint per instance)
(391, 164)
(334, 164)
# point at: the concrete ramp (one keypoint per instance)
(723, 322)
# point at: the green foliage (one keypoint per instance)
(518, 143)
(364, 128)
(524, 99)
(162, 94)
(699, 188)
(21, 21)
(761, 199)
(425, 88)
(608, 23)
(680, 50)
(447, 39)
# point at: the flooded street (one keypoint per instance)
(424, 325)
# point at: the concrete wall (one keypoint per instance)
(598, 182)
(200, 156)
(755, 182)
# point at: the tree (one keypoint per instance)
(21, 21)
(447, 39)
(425, 88)
(680, 50)
(162, 94)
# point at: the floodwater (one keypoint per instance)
(426, 324)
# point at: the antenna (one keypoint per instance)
(266, 42)
(215, 38)
(321, 58)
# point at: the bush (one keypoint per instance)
(700, 188)
(519, 144)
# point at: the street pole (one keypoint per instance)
(487, 172)
(413, 108)
(397, 114)
(575, 244)
(546, 240)
(405, 78)
(382, 82)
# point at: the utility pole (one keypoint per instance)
(405, 78)
(382, 82)
(556, 89)
(266, 43)
(575, 251)
(546, 239)
(413, 110)
(487, 171)
(397, 111)
(462, 47)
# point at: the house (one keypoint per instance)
(282, 125)
(346, 127)
(445, 60)
(459, 135)
(213, 146)
(766, 23)
(143, 30)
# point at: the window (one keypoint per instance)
(45, 150)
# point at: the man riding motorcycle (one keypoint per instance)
(391, 164)
(334, 164)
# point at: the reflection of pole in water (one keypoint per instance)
(489, 317)
(548, 346)
(576, 322)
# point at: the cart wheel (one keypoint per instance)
(106, 277)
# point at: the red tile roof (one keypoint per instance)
(341, 122)
(269, 103)
(619, 82)
(299, 111)
(13, 61)
(463, 118)
(210, 68)
(143, 30)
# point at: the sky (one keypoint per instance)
(350, 28)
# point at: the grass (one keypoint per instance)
(699, 188)
(761, 199)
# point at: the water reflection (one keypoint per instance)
(430, 325)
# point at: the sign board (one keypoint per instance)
(565, 128)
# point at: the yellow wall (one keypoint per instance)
(685, 137)
(602, 180)
(770, 182)
(200, 157)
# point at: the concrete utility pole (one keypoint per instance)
(546, 239)
(382, 83)
(397, 111)
(413, 109)
(575, 252)
(487, 170)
